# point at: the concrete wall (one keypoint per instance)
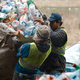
(58, 3)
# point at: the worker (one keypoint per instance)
(32, 55)
(58, 39)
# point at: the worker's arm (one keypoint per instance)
(19, 42)
(58, 37)
(23, 51)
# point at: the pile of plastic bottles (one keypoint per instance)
(19, 15)
(63, 76)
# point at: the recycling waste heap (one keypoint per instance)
(15, 15)
(64, 76)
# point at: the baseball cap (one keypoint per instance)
(55, 16)
(42, 33)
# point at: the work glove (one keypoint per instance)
(44, 17)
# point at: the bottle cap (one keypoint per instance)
(74, 65)
(74, 77)
(9, 26)
(15, 6)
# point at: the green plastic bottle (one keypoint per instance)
(76, 67)
(30, 2)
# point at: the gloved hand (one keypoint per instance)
(44, 17)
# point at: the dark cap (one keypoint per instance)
(55, 16)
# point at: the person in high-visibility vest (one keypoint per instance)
(58, 39)
(32, 55)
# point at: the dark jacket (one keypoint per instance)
(55, 61)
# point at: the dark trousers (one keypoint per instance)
(17, 77)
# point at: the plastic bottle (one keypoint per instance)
(32, 9)
(76, 67)
(25, 24)
(30, 2)
(29, 24)
(25, 5)
(37, 15)
(29, 28)
(14, 9)
(15, 24)
(30, 17)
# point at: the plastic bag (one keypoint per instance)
(23, 18)
(6, 28)
(8, 57)
(6, 9)
(22, 9)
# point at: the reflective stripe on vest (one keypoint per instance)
(35, 58)
(23, 63)
(60, 50)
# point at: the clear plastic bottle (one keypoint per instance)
(29, 27)
(29, 24)
(30, 17)
(32, 9)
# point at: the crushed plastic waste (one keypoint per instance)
(19, 15)
(64, 76)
